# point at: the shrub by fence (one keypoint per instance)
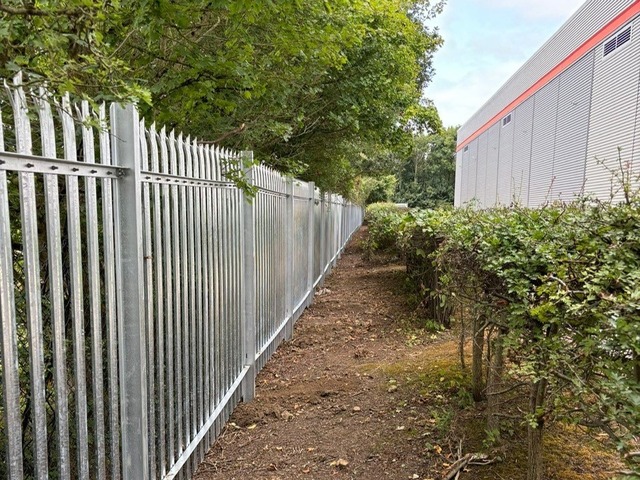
(140, 289)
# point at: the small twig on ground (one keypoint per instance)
(468, 459)
(459, 457)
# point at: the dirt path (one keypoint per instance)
(320, 402)
(362, 393)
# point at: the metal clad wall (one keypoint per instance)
(493, 152)
(461, 188)
(523, 128)
(590, 18)
(473, 170)
(459, 179)
(574, 102)
(613, 115)
(636, 145)
(505, 163)
(464, 187)
(544, 127)
(481, 170)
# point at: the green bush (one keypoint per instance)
(383, 220)
(420, 236)
(554, 291)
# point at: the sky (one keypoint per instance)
(486, 41)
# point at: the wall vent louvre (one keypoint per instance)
(466, 148)
(623, 37)
(616, 42)
(506, 120)
(609, 46)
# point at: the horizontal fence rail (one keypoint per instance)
(140, 289)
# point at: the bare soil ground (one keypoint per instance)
(361, 392)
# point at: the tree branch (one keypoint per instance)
(235, 131)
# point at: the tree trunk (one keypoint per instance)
(463, 365)
(477, 377)
(535, 430)
(494, 380)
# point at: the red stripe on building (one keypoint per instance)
(630, 12)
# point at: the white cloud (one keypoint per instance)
(536, 9)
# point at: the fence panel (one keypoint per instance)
(60, 395)
(140, 290)
(301, 236)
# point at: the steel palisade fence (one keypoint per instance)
(140, 290)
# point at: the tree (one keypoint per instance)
(375, 189)
(306, 85)
(427, 177)
(71, 46)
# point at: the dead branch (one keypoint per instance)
(507, 390)
(469, 459)
(458, 466)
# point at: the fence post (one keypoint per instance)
(289, 237)
(335, 247)
(311, 242)
(130, 293)
(249, 283)
(323, 237)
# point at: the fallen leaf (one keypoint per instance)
(286, 415)
(340, 463)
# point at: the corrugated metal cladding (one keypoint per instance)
(590, 18)
(543, 143)
(468, 183)
(463, 157)
(505, 163)
(613, 113)
(481, 171)
(521, 165)
(473, 169)
(574, 103)
(564, 139)
(459, 174)
(491, 182)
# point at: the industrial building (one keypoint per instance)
(566, 122)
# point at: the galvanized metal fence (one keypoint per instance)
(140, 289)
